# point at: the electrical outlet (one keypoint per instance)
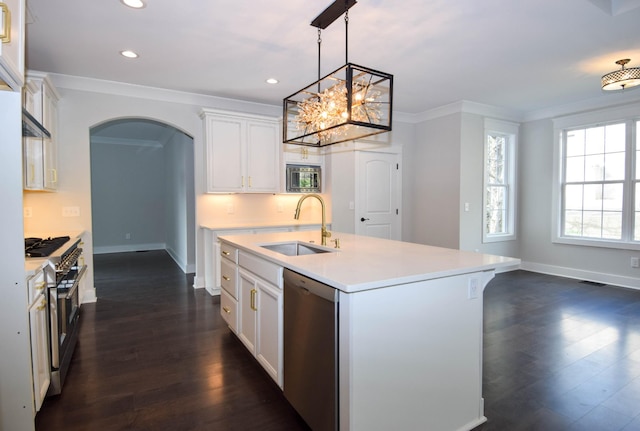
(635, 262)
(70, 211)
(28, 212)
(474, 287)
(127, 236)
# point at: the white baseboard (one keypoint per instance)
(598, 277)
(198, 282)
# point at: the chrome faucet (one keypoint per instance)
(325, 233)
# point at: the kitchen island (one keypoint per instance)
(410, 324)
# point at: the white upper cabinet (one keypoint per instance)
(41, 154)
(12, 19)
(302, 155)
(242, 152)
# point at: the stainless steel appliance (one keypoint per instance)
(311, 350)
(63, 274)
(304, 179)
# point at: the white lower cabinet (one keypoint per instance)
(260, 326)
(251, 302)
(41, 367)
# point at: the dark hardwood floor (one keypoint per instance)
(154, 354)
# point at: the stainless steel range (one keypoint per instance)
(63, 273)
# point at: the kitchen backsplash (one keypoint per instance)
(260, 209)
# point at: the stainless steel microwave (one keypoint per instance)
(304, 179)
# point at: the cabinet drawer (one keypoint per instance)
(262, 268)
(228, 277)
(229, 252)
(229, 310)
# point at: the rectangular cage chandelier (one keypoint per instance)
(350, 103)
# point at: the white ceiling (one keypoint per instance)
(522, 55)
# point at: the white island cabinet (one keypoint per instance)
(410, 326)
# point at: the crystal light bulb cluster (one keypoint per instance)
(329, 108)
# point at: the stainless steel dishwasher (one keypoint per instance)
(311, 350)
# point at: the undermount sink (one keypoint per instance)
(295, 248)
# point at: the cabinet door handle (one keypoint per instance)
(249, 181)
(364, 219)
(5, 37)
(54, 175)
(40, 286)
(242, 181)
(224, 277)
(226, 253)
(253, 300)
(226, 310)
(32, 172)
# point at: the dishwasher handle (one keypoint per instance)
(310, 286)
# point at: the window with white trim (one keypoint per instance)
(599, 191)
(499, 197)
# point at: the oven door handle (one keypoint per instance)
(76, 283)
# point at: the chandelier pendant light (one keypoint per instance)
(350, 103)
(623, 78)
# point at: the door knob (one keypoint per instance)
(364, 219)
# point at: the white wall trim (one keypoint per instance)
(159, 94)
(607, 100)
(127, 248)
(186, 268)
(598, 277)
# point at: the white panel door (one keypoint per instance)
(377, 195)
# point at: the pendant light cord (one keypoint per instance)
(319, 49)
(346, 34)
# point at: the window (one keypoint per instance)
(499, 181)
(599, 184)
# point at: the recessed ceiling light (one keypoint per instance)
(272, 81)
(136, 4)
(129, 54)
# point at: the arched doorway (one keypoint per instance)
(142, 189)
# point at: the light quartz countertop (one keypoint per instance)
(364, 263)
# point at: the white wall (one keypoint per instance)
(128, 185)
(435, 172)
(472, 189)
(79, 110)
(179, 200)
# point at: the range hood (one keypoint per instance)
(32, 127)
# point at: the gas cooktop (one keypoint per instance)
(39, 247)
